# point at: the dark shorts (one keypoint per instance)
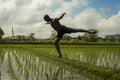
(66, 30)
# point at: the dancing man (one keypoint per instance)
(61, 30)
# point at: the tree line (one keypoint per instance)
(66, 38)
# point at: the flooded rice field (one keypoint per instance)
(18, 64)
(22, 63)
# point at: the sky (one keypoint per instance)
(26, 16)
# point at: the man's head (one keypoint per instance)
(47, 18)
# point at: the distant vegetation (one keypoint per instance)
(1, 33)
(86, 38)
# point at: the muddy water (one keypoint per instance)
(17, 64)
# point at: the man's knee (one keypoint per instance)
(56, 42)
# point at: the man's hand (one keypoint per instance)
(64, 13)
(61, 16)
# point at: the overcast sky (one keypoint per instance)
(26, 16)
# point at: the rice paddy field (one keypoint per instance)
(41, 62)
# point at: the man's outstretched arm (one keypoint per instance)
(61, 16)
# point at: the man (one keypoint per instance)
(61, 30)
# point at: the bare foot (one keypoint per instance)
(93, 32)
(60, 56)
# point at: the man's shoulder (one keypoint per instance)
(55, 19)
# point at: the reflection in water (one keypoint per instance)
(21, 64)
(16, 64)
(101, 56)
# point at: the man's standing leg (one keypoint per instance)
(57, 46)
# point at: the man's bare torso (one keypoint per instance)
(56, 25)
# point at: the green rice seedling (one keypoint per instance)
(2, 54)
(47, 77)
(18, 63)
(92, 60)
(0, 75)
(10, 67)
(26, 73)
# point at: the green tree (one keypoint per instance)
(20, 37)
(31, 36)
(79, 37)
(66, 37)
(1, 33)
(53, 35)
(91, 37)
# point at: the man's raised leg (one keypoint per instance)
(71, 30)
(57, 46)
(82, 30)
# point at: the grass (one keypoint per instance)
(94, 61)
(104, 73)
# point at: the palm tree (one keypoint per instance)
(1, 33)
